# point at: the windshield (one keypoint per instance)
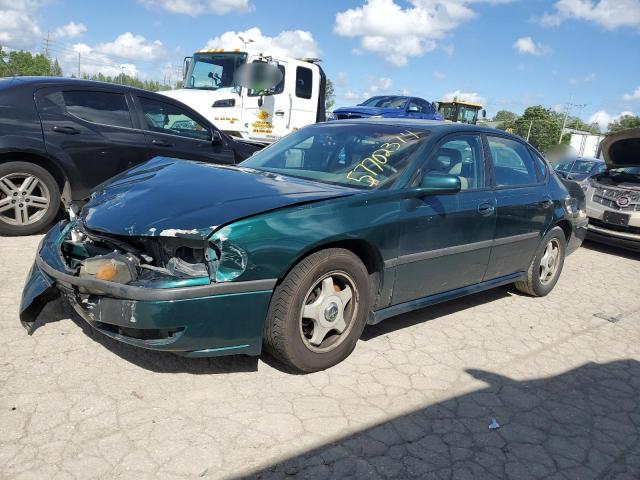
(467, 114)
(386, 102)
(214, 71)
(583, 166)
(359, 156)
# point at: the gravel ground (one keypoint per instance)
(559, 375)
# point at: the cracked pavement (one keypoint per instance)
(561, 376)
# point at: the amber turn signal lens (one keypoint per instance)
(107, 271)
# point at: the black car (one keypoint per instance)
(579, 168)
(60, 137)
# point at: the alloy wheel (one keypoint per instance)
(24, 199)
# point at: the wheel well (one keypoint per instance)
(566, 228)
(366, 252)
(44, 162)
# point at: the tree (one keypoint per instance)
(124, 79)
(545, 126)
(330, 97)
(20, 62)
(627, 121)
(505, 116)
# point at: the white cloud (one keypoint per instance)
(603, 118)
(466, 96)
(589, 78)
(292, 43)
(93, 62)
(341, 80)
(526, 45)
(375, 86)
(439, 76)
(18, 27)
(133, 47)
(630, 97)
(395, 33)
(610, 14)
(199, 7)
(70, 30)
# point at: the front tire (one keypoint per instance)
(546, 266)
(29, 198)
(319, 311)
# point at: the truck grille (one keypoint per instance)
(608, 197)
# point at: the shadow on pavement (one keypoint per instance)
(162, 362)
(611, 250)
(582, 424)
(435, 311)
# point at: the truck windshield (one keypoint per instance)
(467, 114)
(385, 102)
(358, 156)
(214, 71)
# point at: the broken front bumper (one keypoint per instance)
(207, 320)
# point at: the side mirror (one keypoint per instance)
(439, 184)
(412, 109)
(186, 63)
(216, 137)
(484, 113)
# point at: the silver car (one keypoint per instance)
(613, 197)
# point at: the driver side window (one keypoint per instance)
(462, 157)
(163, 117)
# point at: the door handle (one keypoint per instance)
(486, 209)
(65, 130)
(161, 143)
(280, 113)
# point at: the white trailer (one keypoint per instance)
(266, 116)
(586, 144)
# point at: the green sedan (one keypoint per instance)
(297, 249)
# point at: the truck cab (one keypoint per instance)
(210, 88)
(459, 111)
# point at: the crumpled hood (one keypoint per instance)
(171, 197)
(622, 149)
(369, 111)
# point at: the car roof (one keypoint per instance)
(436, 126)
(17, 82)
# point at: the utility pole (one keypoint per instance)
(566, 115)
(78, 64)
(121, 74)
(46, 44)
(529, 132)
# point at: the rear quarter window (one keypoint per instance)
(105, 108)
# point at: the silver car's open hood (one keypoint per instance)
(622, 149)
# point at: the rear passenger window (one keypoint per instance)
(304, 82)
(512, 163)
(98, 107)
(541, 164)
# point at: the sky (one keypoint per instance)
(506, 54)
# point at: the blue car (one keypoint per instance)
(389, 106)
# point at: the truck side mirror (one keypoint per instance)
(484, 113)
(186, 63)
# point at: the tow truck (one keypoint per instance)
(211, 87)
(460, 111)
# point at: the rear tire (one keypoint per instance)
(319, 311)
(29, 198)
(546, 266)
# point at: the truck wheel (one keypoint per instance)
(29, 198)
(319, 311)
(546, 266)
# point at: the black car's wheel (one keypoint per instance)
(546, 266)
(29, 198)
(319, 311)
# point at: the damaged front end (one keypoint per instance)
(172, 293)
